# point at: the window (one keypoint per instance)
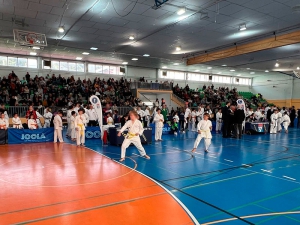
(12, 61)
(32, 63)
(112, 70)
(22, 62)
(80, 67)
(63, 66)
(197, 77)
(170, 75)
(241, 81)
(72, 67)
(91, 68)
(99, 69)
(3, 60)
(106, 69)
(55, 65)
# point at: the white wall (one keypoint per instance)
(275, 87)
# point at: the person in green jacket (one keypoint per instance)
(174, 126)
(165, 113)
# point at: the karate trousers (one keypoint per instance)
(137, 143)
(58, 135)
(207, 141)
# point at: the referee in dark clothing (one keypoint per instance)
(225, 118)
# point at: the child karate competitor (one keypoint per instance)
(72, 126)
(80, 122)
(193, 115)
(159, 124)
(204, 131)
(17, 124)
(58, 127)
(286, 121)
(135, 129)
(48, 116)
(273, 124)
(32, 124)
(219, 121)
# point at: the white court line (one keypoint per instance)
(289, 178)
(212, 156)
(268, 171)
(246, 165)
(228, 160)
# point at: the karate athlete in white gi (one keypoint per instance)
(204, 131)
(16, 121)
(193, 114)
(273, 124)
(80, 122)
(279, 121)
(57, 121)
(48, 117)
(286, 121)
(219, 121)
(135, 129)
(159, 124)
(4, 124)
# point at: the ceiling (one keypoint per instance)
(103, 24)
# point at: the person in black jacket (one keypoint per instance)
(292, 116)
(225, 118)
(239, 117)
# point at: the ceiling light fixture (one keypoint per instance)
(276, 64)
(78, 58)
(164, 67)
(267, 71)
(219, 72)
(224, 65)
(146, 55)
(239, 75)
(32, 53)
(94, 48)
(178, 48)
(176, 64)
(248, 68)
(298, 68)
(232, 70)
(36, 47)
(85, 53)
(61, 29)
(124, 63)
(181, 11)
(242, 27)
(131, 37)
(209, 68)
(196, 70)
(252, 72)
(134, 59)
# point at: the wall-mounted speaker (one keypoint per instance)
(164, 73)
(210, 77)
(47, 63)
(122, 70)
(237, 80)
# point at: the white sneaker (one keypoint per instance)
(183, 132)
(175, 133)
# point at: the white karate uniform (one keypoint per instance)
(135, 127)
(57, 121)
(17, 123)
(204, 126)
(69, 115)
(92, 115)
(193, 121)
(48, 117)
(38, 115)
(218, 121)
(249, 113)
(273, 124)
(286, 122)
(86, 117)
(141, 113)
(147, 117)
(176, 118)
(199, 114)
(158, 126)
(4, 122)
(72, 128)
(32, 124)
(79, 123)
(257, 115)
(186, 116)
(279, 121)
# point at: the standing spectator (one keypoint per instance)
(293, 116)
(225, 117)
(239, 117)
(165, 113)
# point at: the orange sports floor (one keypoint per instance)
(63, 184)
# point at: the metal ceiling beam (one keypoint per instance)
(260, 45)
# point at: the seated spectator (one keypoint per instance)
(16, 121)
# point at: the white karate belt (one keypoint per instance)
(205, 131)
